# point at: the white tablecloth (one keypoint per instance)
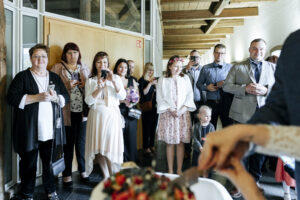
(205, 189)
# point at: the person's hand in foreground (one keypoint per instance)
(232, 141)
(236, 172)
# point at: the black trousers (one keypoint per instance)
(254, 165)
(28, 167)
(149, 122)
(219, 108)
(130, 139)
(75, 136)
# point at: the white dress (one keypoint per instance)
(104, 132)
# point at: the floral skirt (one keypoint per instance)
(173, 130)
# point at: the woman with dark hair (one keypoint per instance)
(74, 75)
(147, 87)
(174, 102)
(103, 92)
(130, 129)
(36, 95)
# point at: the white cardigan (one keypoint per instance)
(113, 98)
(185, 95)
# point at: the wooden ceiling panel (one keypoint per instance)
(200, 24)
(206, 14)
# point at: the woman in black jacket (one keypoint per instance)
(34, 94)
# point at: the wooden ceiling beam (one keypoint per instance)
(195, 31)
(191, 42)
(190, 46)
(185, 1)
(249, 1)
(191, 38)
(180, 52)
(230, 23)
(192, 22)
(210, 26)
(220, 6)
(206, 14)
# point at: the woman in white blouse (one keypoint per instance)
(224, 149)
(174, 102)
(34, 93)
(104, 136)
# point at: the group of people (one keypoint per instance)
(182, 108)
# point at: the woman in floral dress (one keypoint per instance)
(174, 102)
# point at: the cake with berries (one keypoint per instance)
(143, 184)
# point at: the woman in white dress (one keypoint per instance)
(104, 137)
(174, 102)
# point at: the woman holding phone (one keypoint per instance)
(103, 91)
(74, 75)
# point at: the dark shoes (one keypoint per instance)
(84, 179)
(68, 184)
(20, 198)
(53, 196)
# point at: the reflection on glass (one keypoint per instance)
(88, 10)
(8, 117)
(147, 51)
(147, 17)
(30, 4)
(124, 14)
(29, 38)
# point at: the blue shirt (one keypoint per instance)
(211, 74)
(195, 72)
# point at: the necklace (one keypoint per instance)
(45, 88)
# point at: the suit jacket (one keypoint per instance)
(25, 122)
(244, 105)
(185, 95)
(202, 93)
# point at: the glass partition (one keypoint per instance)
(29, 38)
(124, 14)
(30, 4)
(147, 17)
(88, 10)
(8, 117)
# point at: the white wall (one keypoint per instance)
(275, 22)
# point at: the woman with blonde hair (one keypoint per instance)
(147, 88)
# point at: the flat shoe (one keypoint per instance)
(84, 179)
(68, 184)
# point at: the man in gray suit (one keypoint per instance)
(193, 69)
(250, 81)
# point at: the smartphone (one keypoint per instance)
(193, 58)
(51, 87)
(103, 73)
(75, 76)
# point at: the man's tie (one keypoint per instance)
(256, 73)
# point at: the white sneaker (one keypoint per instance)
(287, 196)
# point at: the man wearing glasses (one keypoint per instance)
(211, 80)
(193, 69)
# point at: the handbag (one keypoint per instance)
(147, 105)
(134, 113)
(58, 166)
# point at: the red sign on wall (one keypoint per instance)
(139, 43)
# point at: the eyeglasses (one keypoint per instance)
(220, 53)
(39, 57)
